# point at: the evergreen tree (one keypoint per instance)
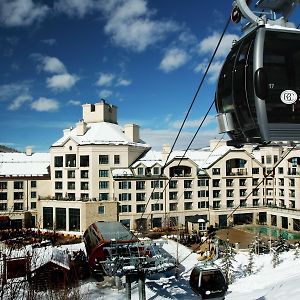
(275, 258)
(227, 262)
(250, 265)
(296, 251)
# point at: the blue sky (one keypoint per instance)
(146, 57)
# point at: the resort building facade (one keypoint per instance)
(99, 171)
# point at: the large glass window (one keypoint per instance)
(60, 218)
(48, 217)
(18, 185)
(71, 160)
(103, 173)
(103, 159)
(74, 219)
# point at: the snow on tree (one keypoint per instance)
(227, 262)
(296, 251)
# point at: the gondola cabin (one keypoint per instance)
(257, 96)
(208, 283)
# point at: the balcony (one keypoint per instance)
(238, 172)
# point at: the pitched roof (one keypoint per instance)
(99, 133)
(20, 164)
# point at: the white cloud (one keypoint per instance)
(62, 81)
(21, 12)
(209, 44)
(45, 104)
(19, 101)
(124, 82)
(213, 72)
(105, 94)
(105, 79)
(157, 138)
(49, 42)
(173, 59)
(53, 65)
(76, 8)
(130, 26)
(74, 102)
(194, 123)
(10, 90)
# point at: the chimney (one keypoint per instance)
(165, 152)
(132, 131)
(81, 127)
(28, 150)
(67, 132)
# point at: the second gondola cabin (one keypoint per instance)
(257, 97)
(208, 282)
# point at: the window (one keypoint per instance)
(157, 195)
(18, 206)
(269, 159)
(255, 170)
(84, 174)
(58, 161)
(71, 174)
(216, 171)
(216, 194)
(243, 193)
(103, 196)
(3, 196)
(33, 184)
(242, 182)
(229, 203)
(58, 185)
(140, 196)
(157, 206)
(18, 185)
(58, 196)
(3, 206)
(3, 185)
(173, 195)
(33, 195)
(243, 203)
(84, 196)
(188, 206)
(156, 170)
(173, 184)
(101, 210)
(187, 195)
(18, 195)
(60, 218)
(58, 174)
(74, 219)
(103, 173)
(124, 208)
(116, 159)
(84, 160)
(229, 193)
(140, 171)
(124, 185)
(229, 182)
(216, 182)
(280, 170)
(203, 204)
(216, 204)
(255, 181)
(255, 192)
(156, 184)
(173, 206)
(103, 184)
(103, 159)
(203, 194)
(262, 159)
(71, 160)
(84, 185)
(71, 185)
(255, 202)
(187, 184)
(140, 185)
(275, 159)
(140, 208)
(203, 182)
(124, 197)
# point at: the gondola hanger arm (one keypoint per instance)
(247, 12)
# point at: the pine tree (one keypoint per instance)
(227, 262)
(275, 258)
(296, 251)
(250, 265)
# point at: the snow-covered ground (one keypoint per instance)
(266, 282)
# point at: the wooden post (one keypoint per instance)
(128, 287)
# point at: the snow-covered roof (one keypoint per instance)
(122, 172)
(99, 133)
(20, 164)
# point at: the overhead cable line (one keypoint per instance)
(189, 110)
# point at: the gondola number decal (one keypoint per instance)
(288, 96)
